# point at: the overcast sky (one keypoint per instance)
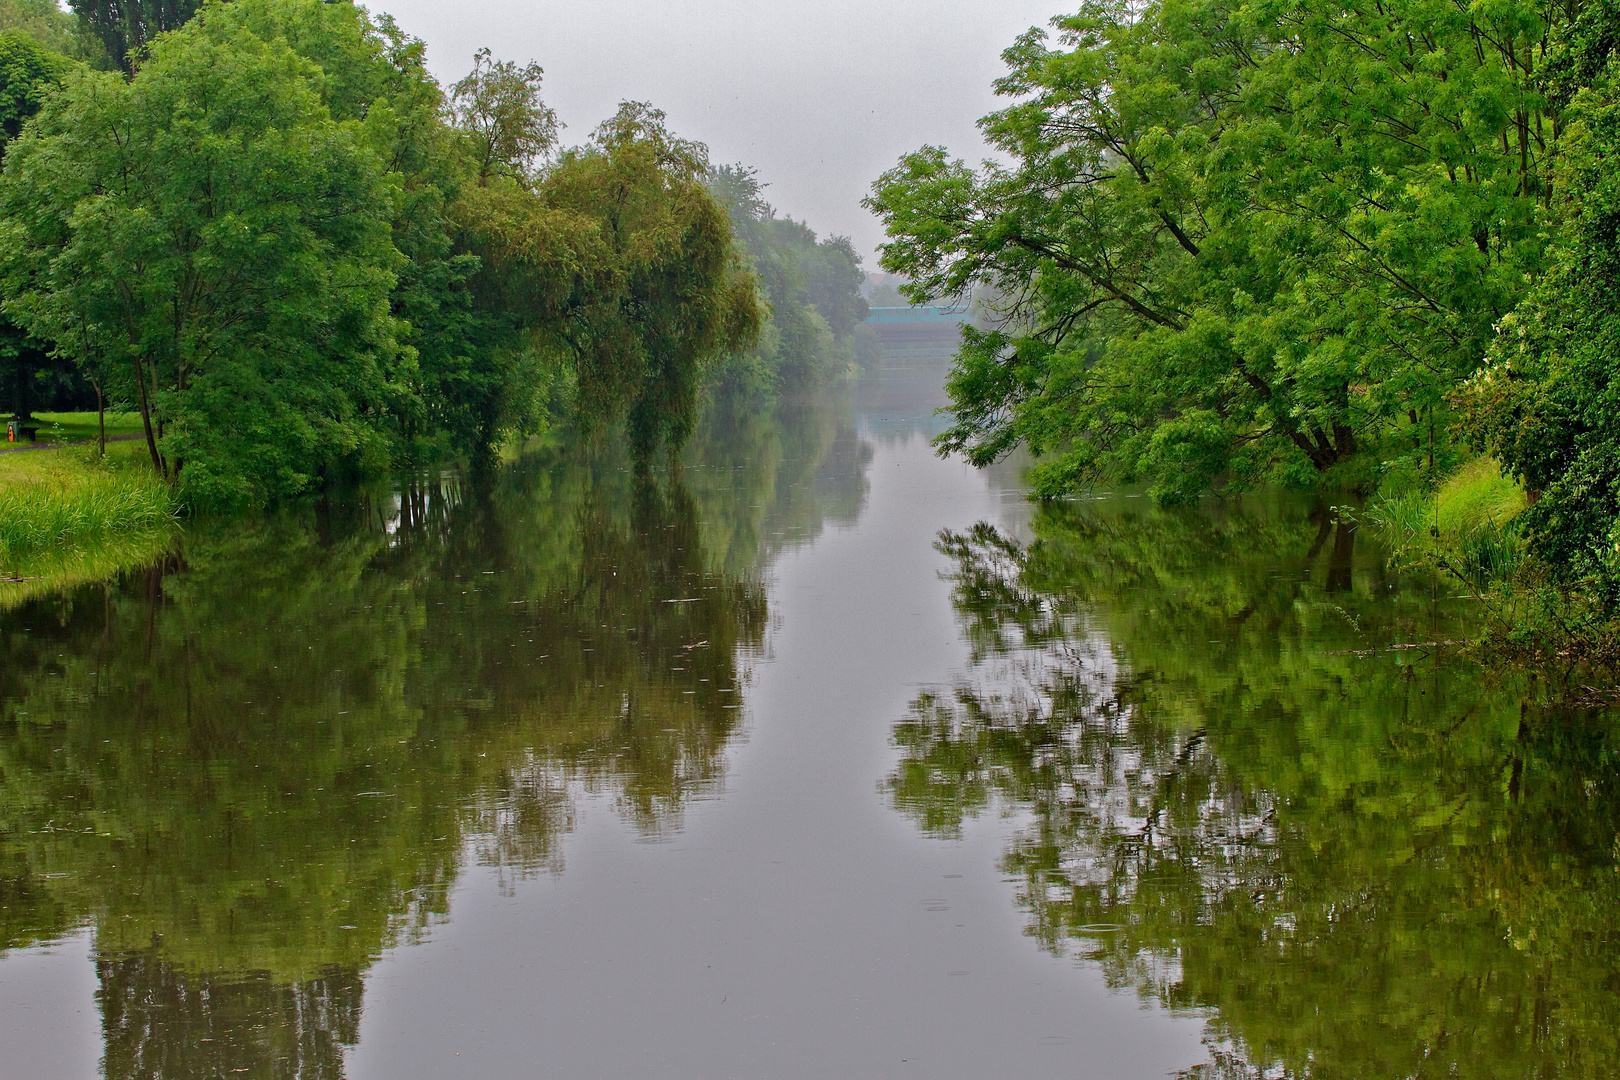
(820, 97)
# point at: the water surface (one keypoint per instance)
(819, 756)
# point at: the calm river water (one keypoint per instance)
(821, 758)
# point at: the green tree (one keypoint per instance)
(1546, 403)
(344, 270)
(1235, 241)
(620, 261)
(209, 232)
(812, 286)
(126, 27)
(28, 71)
(46, 23)
(477, 376)
(499, 106)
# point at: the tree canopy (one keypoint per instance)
(1547, 404)
(126, 27)
(46, 23)
(300, 258)
(222, 244)
(1235, 242)
(28, 71)
(812, 286)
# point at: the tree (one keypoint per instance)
(126, 27)
(1236, 242)
(686, 300)
(28, 72)
(620, 261)
(1547, 405)
(498, 105)
(209, 233)
(50, 26)
(340, 271)
(812, 286)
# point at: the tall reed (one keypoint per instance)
(38, 516)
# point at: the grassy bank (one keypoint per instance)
(1464, 527)
(68, 516)
(1469, 529)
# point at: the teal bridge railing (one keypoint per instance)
(925, 314)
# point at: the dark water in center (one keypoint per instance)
(819, 757)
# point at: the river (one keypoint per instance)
(818, 756)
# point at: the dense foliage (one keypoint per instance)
(813, 287)
(46, 23)
(29, 373)
(298, 258)
(1237, 241)
(125, 27)
(1547, 405)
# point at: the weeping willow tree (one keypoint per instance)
(619, 257)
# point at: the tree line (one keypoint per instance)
(266, 226)
(1341, 247)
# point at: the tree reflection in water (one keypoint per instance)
(1242, 791)
(255, 766)
(161, 1021)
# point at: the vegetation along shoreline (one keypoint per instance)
(264, 229)
(1367, 253)
(1358, 250)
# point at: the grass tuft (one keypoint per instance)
(1466, 526)
(54, 500)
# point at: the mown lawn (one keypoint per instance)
(73, 426)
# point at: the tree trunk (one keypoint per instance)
(23, 376)
(1344, 441)
(145, 403)
(101, 418)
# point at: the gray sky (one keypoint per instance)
(820, 97)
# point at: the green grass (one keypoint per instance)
(1478, 494)
(77, 426)
(67, 515)
(1466, 524)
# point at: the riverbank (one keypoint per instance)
(1464, 526)
(68, 516)
(1470, 529)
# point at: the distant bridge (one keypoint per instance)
(935, 314)
(922, 330)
